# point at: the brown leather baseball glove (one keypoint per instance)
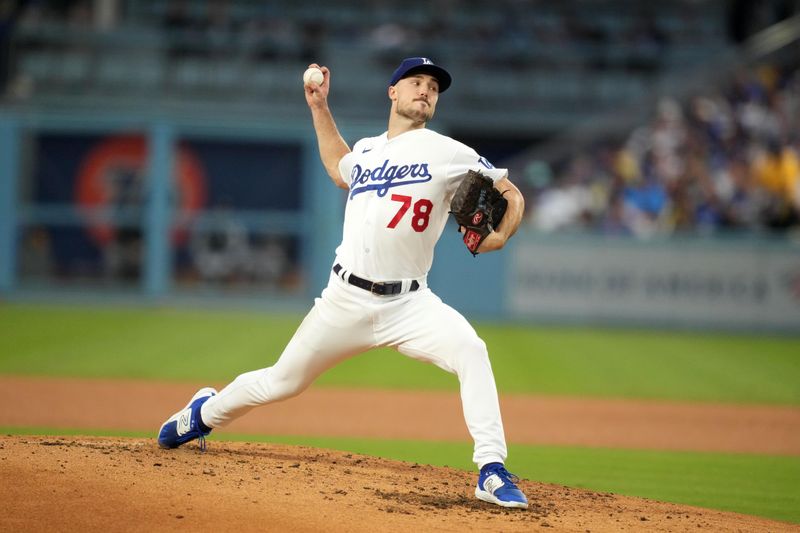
(477, 207)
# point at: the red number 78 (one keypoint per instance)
(422, 212)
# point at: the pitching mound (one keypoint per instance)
(101, 484)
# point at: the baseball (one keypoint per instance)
(313, 75)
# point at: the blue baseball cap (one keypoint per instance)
(412, 65)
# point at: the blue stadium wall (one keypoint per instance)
(268, 178)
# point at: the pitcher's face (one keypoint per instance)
(415, 97)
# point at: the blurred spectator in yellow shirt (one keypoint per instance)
(778, 171)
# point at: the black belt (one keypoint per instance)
(381, 288)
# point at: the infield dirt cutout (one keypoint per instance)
(126, 484)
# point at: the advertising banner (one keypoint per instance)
(709, 283)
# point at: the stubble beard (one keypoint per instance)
(415, 115)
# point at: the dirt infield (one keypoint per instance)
(112, 484)
(143, 406)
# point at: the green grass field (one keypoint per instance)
(185, 345)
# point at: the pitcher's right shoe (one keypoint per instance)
(497, 485)
(186, 425)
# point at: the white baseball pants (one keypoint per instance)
(346, 321)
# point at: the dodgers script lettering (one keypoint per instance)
(386, 176)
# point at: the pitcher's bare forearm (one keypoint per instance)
(332, 147)
(516, 207)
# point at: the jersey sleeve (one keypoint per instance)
(466, 159)
(346, 163)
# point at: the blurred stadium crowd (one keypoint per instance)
(726, 159)
(593, 34)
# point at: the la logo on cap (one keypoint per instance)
(421, 65)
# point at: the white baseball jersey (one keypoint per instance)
(398, 203)
(399, 198)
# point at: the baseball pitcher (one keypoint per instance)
(401, 187)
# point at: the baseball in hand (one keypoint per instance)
(313, 75)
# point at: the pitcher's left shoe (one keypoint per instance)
(186, 425)
(497, 485)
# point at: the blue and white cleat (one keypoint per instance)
(497, 485)
(186, 425)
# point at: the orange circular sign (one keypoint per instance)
(113, 177)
